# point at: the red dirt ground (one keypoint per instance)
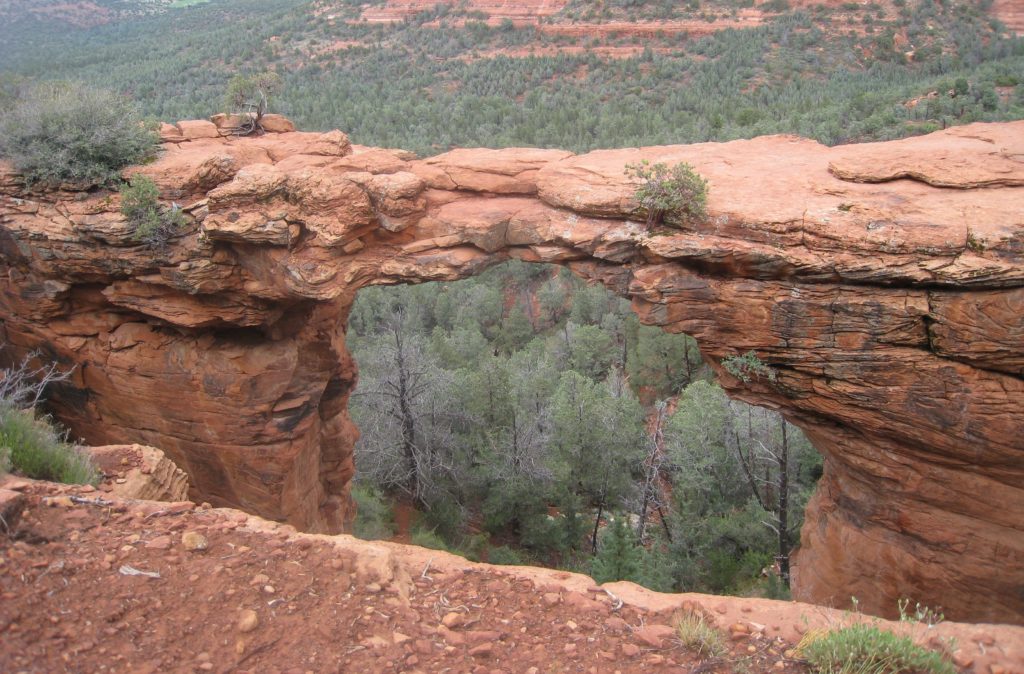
(262, 598)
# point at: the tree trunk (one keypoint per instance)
(686, 359)
(405, 412)
(784, 543)
(597, 523)
(664, 524)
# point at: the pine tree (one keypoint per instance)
(619, 557)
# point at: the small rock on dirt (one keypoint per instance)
(194, 541)
(482, 651)
(654, 635)
(248, 621)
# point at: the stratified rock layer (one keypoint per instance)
(884, 284)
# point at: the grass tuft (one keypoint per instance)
(698, 634)
(866, 649)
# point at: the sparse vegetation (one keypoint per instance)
(70, 133)
(698, 634)
(867, 649)
(31, 445)
(975, 242)
(920, 614)
(675, 196)
(152, 223)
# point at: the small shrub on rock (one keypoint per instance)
(747, 367)
(152, 223)
(676, 195)
(697, 633)
(69, 133)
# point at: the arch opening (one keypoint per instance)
(519, 413)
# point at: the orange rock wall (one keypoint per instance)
(883, 283)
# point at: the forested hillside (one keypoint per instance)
(448, 77)
(522, 412)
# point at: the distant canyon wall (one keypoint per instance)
(882, 283)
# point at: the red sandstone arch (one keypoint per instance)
(883, 282)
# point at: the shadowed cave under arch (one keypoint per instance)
(898, 345)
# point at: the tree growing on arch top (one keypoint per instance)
(248, 96)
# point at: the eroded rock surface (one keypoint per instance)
(139, 472)
(885, 291)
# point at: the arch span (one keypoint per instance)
(883, 283)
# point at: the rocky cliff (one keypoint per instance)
(882, 284)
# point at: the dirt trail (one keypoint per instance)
(90, 583)
(404, 516)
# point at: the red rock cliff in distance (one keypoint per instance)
(883, 283)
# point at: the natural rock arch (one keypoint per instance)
(884, 283)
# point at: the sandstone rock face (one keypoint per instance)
(883, 286)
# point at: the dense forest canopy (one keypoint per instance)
(445, 78)
(522, 412)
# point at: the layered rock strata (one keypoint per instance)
(883, 284)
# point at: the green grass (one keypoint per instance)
(866, 649)
(187, 3)
(35, 449)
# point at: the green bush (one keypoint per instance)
(502, 554)
(35, 449)
(676, 195)
(374, 517)
(71, 133)
(444, 517)
(865, 649)
(151, 223)
(425, 538)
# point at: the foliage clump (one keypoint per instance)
(70, 133)
(152, 223)
(676, 195)
(866, 649)
(747, 367)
